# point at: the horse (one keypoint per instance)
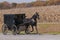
(26, 22)
(32, 21)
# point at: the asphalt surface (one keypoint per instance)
(30, 37)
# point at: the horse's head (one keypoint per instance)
(37, 15)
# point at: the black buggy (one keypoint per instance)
(11, 21)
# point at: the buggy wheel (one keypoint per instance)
(4, 29)
(14, 30)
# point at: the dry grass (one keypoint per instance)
(47, 13)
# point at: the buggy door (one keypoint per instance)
(9, 19)
(19, 18)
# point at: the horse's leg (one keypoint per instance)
(36, 29)
(18, 30)
(32, 29)
(26, 29)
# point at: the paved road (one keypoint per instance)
(29, 37)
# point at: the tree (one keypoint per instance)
(14, 5)
(5, 5)
(1, 5)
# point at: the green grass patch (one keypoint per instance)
(44, 25)
(54, 33)
(48, 25)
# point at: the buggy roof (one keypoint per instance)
(14, 14)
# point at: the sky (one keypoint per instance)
(18, 1)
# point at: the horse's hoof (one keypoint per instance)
(18, 33)
(31, 31)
